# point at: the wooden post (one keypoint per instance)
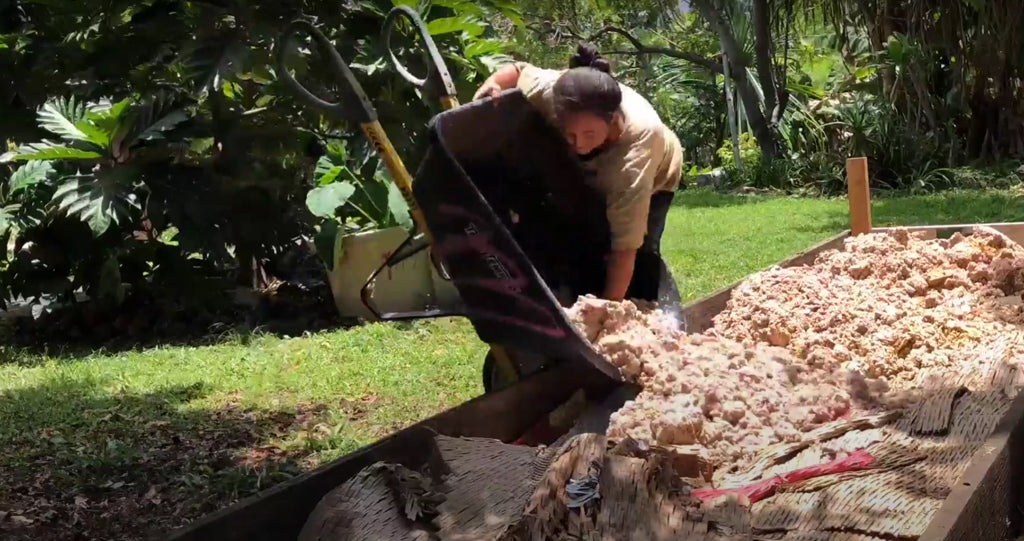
(859, 194)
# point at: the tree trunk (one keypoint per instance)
(877, 35)
(924, 98)
(767, 135)
(733, 128)
(763, 58)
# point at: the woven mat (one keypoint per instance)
(366, 508)
(498, 491)
(821, 536)
(899, 502)
(489, 484)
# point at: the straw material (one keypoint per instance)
(547, 515)
(781, 453)
(827, 536)
(589, 488)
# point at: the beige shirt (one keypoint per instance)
(646, 158)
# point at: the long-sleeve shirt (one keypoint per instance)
(647, 157)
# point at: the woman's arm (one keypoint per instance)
(628, 209)
(620, 274)
(505, 78)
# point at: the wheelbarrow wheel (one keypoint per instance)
(493, 379)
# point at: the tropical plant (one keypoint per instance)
(345, 203)
(100, 156)
(155, 139)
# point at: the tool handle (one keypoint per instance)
(399, 174)
(438, 80)
(353, 104)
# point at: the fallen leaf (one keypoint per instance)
(81, 501)
(157, 424)
(151, 493)
(20, 520)
(3, 515)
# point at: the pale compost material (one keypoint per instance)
(890, 305)
(714, 392)
(857, 331)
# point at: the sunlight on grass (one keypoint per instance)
(405, 374)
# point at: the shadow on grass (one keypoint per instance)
(29, 349)
(80, 462)
(164, 317)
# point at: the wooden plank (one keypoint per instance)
(859, 195)
(984, 505)
(280, 511)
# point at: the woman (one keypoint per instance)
(632, 157)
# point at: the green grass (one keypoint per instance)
(140, 441)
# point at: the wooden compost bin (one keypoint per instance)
(984, 504)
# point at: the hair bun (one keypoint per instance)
(587, 57)
(602, 64)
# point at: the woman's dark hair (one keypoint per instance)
(588, 86)
(587, 57)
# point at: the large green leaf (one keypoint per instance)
(98, 200)
(95, 133)
(52, 151)
(324, 242)
(163, 124)
(464, 23)
(482, 46)
(106, 122)
(494, 61)
(333, 166)
(6, 220)
(327, 171)
(325, 200)
(30, 174)
(60, 116)
(398, 208)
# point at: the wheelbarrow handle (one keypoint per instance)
(438, 80)
(353, 104)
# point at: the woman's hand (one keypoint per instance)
(489, 89)
(505, 78)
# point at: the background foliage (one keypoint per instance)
(152, 149)
(152, 145)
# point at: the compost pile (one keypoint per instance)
(890, 305)
(820, 397)
(863, 330)
(714, 392)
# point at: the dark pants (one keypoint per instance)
(652, 279)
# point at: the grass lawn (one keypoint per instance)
(127, 445)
